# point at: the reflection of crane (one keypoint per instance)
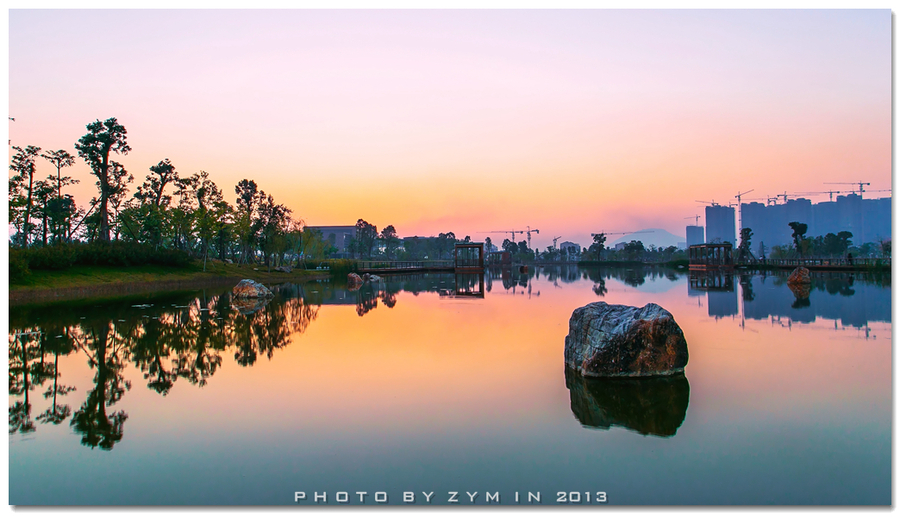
(555, 239)
(861, 190)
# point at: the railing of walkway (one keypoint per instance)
(403, 265)
(866, 261)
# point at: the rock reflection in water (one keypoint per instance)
(649, 406)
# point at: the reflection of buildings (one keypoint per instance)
(835, 297)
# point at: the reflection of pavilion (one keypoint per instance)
(469, 285)
(720, 293)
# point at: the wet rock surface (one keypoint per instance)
(250, 289)
(609, 340)
(354, 282)
(649, 406)
(799, 277)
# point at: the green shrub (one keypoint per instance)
(116, 253)
(18, 266)
(51, 257)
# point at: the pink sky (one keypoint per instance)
(568, 121)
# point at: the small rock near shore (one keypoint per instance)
(354, 281)
(799, 276)
(249, 289)
(609, 340)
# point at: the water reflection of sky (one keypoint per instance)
(400, 388)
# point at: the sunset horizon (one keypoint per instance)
(570, 122)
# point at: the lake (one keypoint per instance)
(437, 383)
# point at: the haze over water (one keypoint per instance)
(409, 387)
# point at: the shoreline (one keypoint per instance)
(27, 295)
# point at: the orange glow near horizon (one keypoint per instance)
(466, 121)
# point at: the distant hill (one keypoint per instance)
(653, 236)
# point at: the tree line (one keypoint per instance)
(167, 211)
(831, 245)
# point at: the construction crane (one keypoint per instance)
(511, 232)
(829, 193)
(621, 233)
(738, 196)
(850, 183)
(696, 219)
(555, 239)
(740, 209)
(514, 232)
(528, 232)
(713, 203)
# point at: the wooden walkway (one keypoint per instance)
(405, 266)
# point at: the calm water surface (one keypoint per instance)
(421, 385)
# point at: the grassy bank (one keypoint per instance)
(79, 282)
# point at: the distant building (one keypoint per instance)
(694, 235)
(868, 220)
(720, 224)
(339, 237)
(572, 249)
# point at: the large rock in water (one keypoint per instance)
(607, 340)
(800, 283)
(249, 289)
(799, 277)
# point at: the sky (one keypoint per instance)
(570, 121)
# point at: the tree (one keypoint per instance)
(844, 240)
(743, 252)
(152, 191)
(211, 213)
(799, 231)
(390, 240)
(598, 246)
(23, 165)
(59, 210)
(60, 158)
(366, 234)
(488, 245)
(634, 250)
(94, 147)
(446, 242)
(273, 219)
(247, 229)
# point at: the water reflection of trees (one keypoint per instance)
(169, 339)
